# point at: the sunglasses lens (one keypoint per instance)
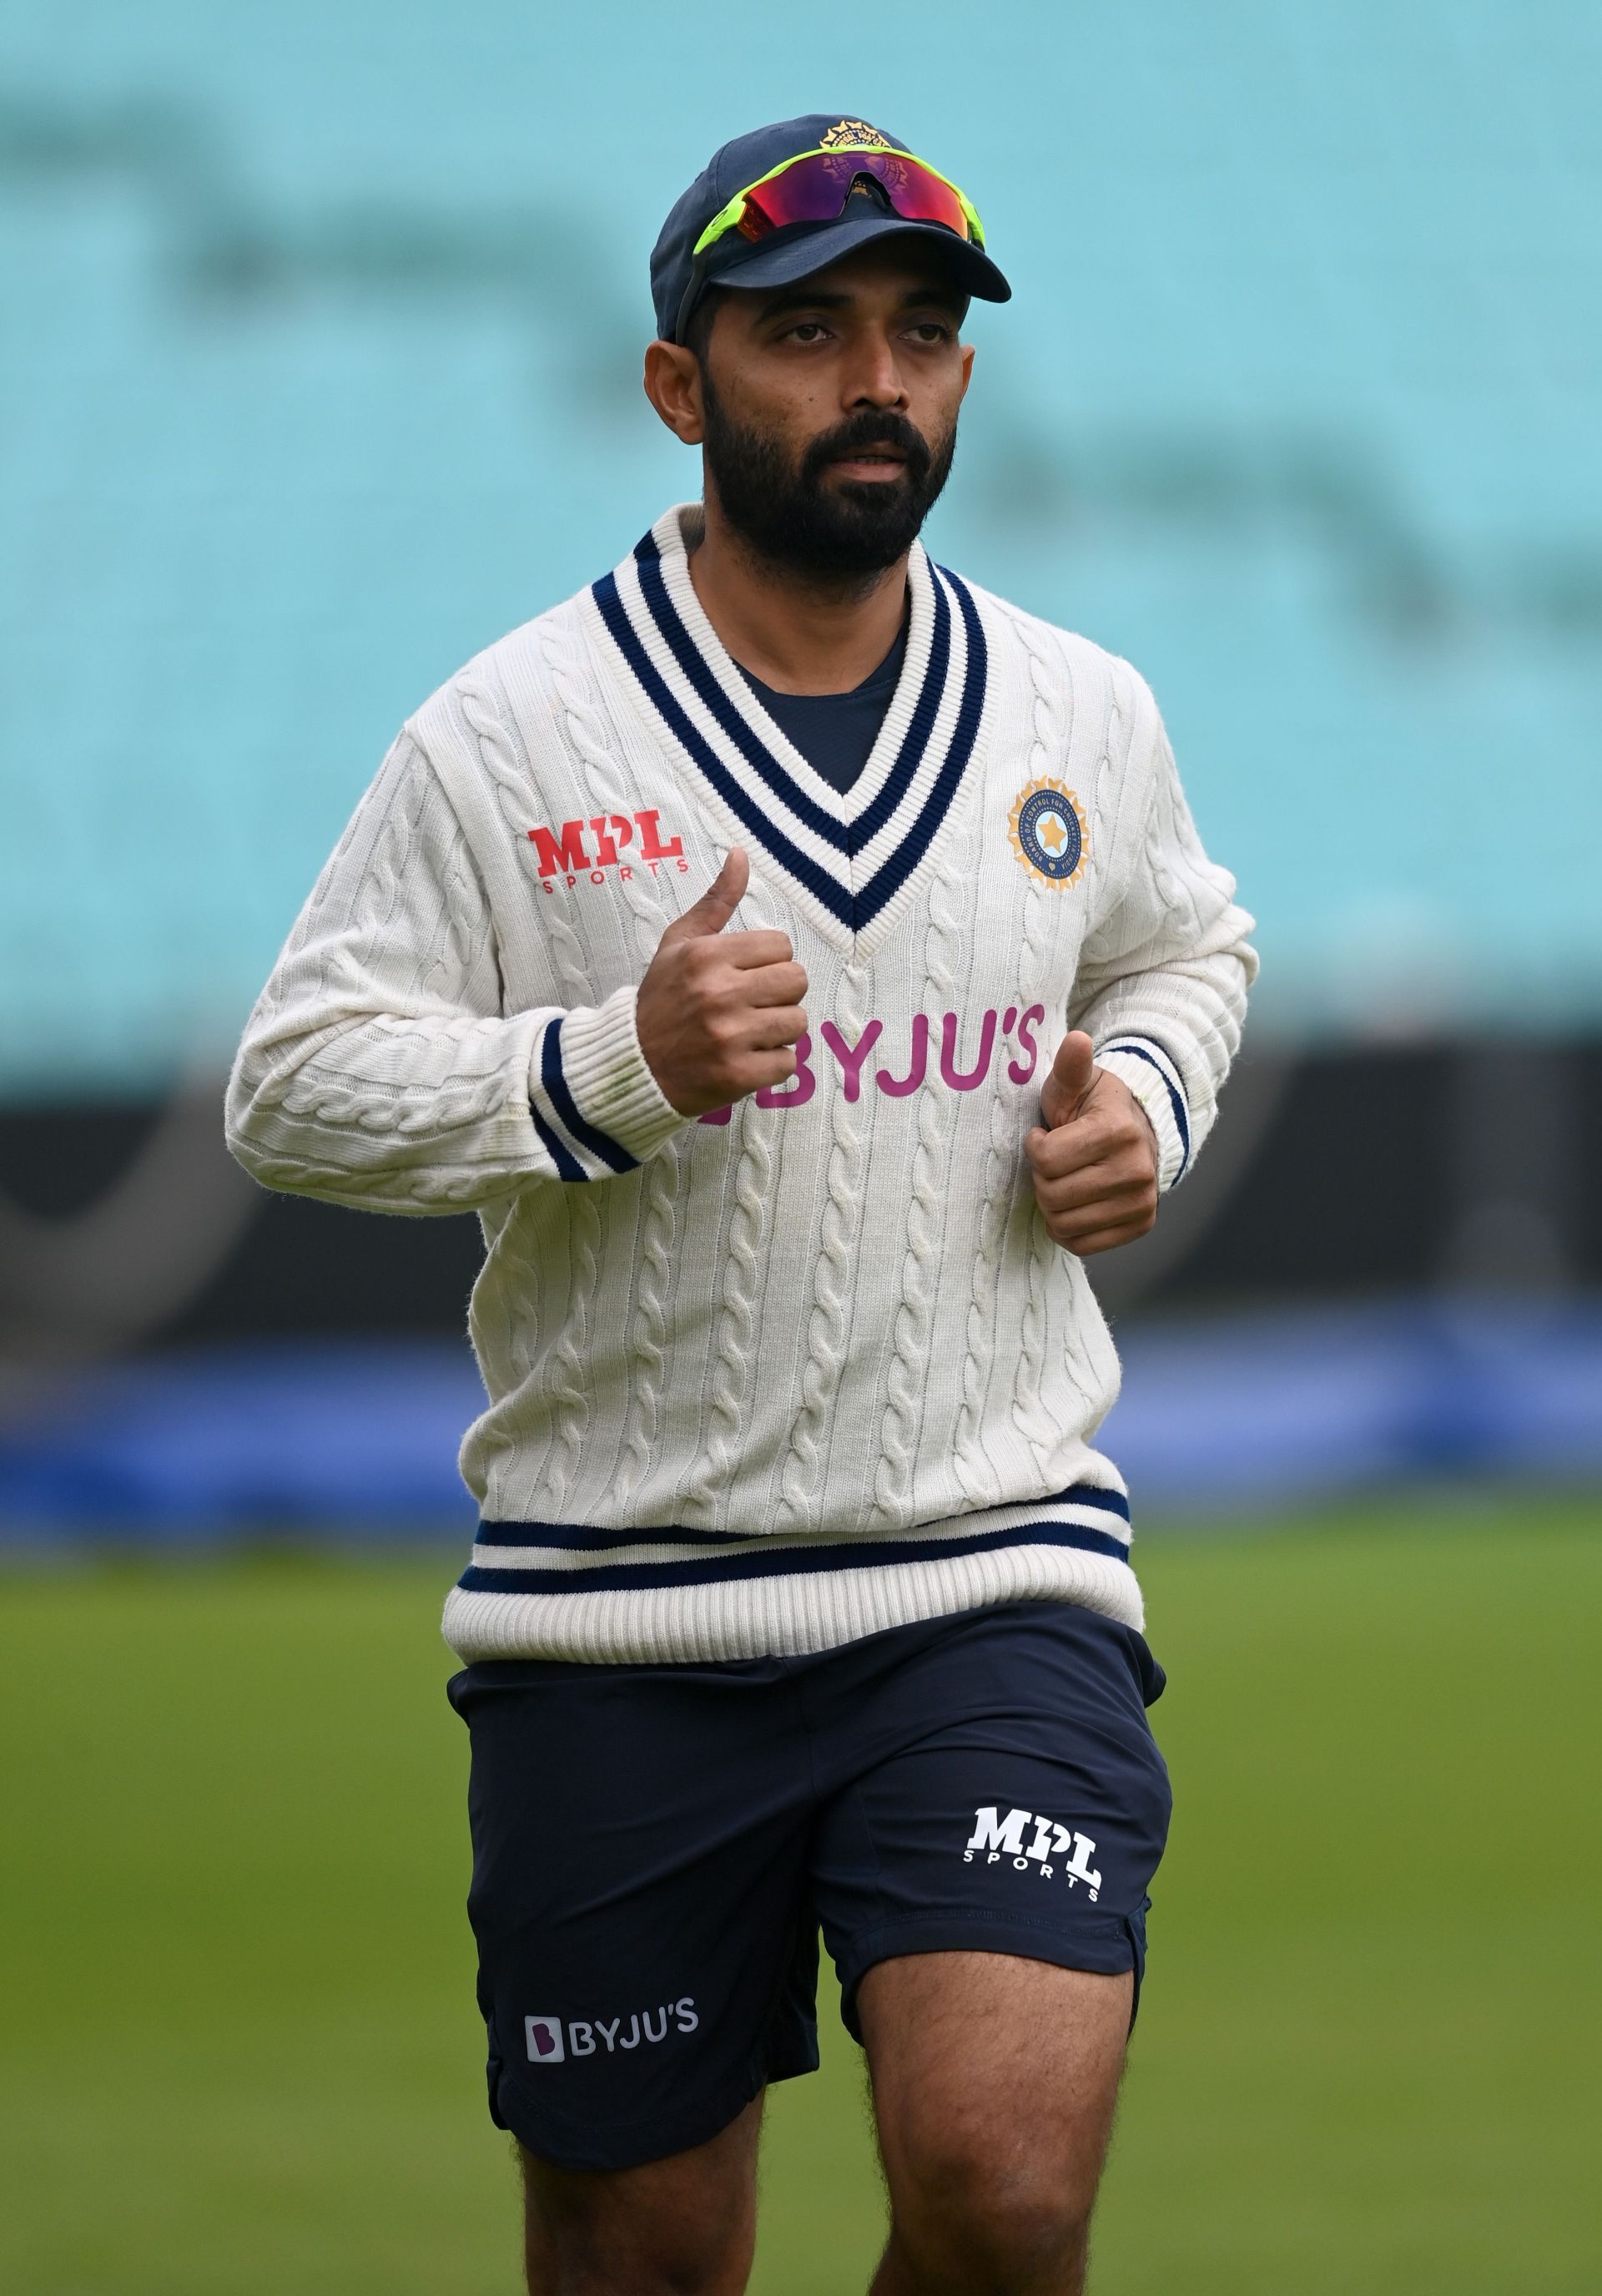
(815, 190)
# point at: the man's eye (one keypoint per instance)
(931, 330)
(808, 330)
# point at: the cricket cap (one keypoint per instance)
(795, 253)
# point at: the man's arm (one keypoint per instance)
(380, 1070)
(1155, 1022)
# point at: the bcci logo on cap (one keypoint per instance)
(853, 135)
(1049, 833)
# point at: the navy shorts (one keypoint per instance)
(655, 1848)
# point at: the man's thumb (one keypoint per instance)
(1070, 1078)
(717, 904)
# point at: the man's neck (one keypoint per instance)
(798, 635)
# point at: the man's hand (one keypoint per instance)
(1094, 1154)
(719, 1011)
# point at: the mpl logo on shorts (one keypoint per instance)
(552, 2041)
(1001, 1837)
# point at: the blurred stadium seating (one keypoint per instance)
(323, 337)
(321, 331)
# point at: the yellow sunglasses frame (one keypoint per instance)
(728, 215)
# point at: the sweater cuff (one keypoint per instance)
(1151, 1076)
(593, 1056)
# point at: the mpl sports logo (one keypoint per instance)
(552, 2041)
(996, 1837)
(562, 857)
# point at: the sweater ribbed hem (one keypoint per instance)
(1155, 1083)
(778, 1618)
(609, 1076)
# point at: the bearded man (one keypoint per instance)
(802, 961)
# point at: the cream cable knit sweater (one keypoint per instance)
(811, 1367)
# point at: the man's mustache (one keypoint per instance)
(861, 433)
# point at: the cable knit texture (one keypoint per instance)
(809, 1367)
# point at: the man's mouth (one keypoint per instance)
(871, 462)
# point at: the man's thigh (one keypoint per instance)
(983, 2057)
(995, 2082)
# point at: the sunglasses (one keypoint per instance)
(815, 186)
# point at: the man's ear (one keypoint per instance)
(672, 384)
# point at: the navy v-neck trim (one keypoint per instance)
(837, 899)
(837, 732)
(676, 678)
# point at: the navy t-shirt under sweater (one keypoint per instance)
(834, 732)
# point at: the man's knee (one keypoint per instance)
(598, 2253)
(681, 2227)
(995, 2221)
(994, 2080)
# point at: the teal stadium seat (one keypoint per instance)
(323, 329)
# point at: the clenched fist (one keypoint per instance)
(1094, 1154)
(718, 1012)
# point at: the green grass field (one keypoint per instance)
(240, 2055)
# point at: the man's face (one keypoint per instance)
(830, 408)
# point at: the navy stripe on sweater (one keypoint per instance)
(590, 1136)
(823, 888)
(592, 1538)
(567, 1166)
(1176, 1099)
(887, 880)
(783, 1562)
(726, 713)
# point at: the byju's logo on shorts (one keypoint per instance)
(544, 2037)
(998, 1837)
(552, 2040)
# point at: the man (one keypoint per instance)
(802, 962)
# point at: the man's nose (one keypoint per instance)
(874, 379)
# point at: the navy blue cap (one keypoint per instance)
(802, 249)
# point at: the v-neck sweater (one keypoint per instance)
(810, 1367)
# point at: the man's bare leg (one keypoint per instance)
(683, 2227)
(994, 2080)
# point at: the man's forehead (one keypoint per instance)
(890, 272)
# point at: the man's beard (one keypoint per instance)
(845, 529)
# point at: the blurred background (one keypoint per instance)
(319, 369)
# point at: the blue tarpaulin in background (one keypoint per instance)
(1245, 1412)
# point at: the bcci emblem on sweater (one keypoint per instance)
(1049, 832)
